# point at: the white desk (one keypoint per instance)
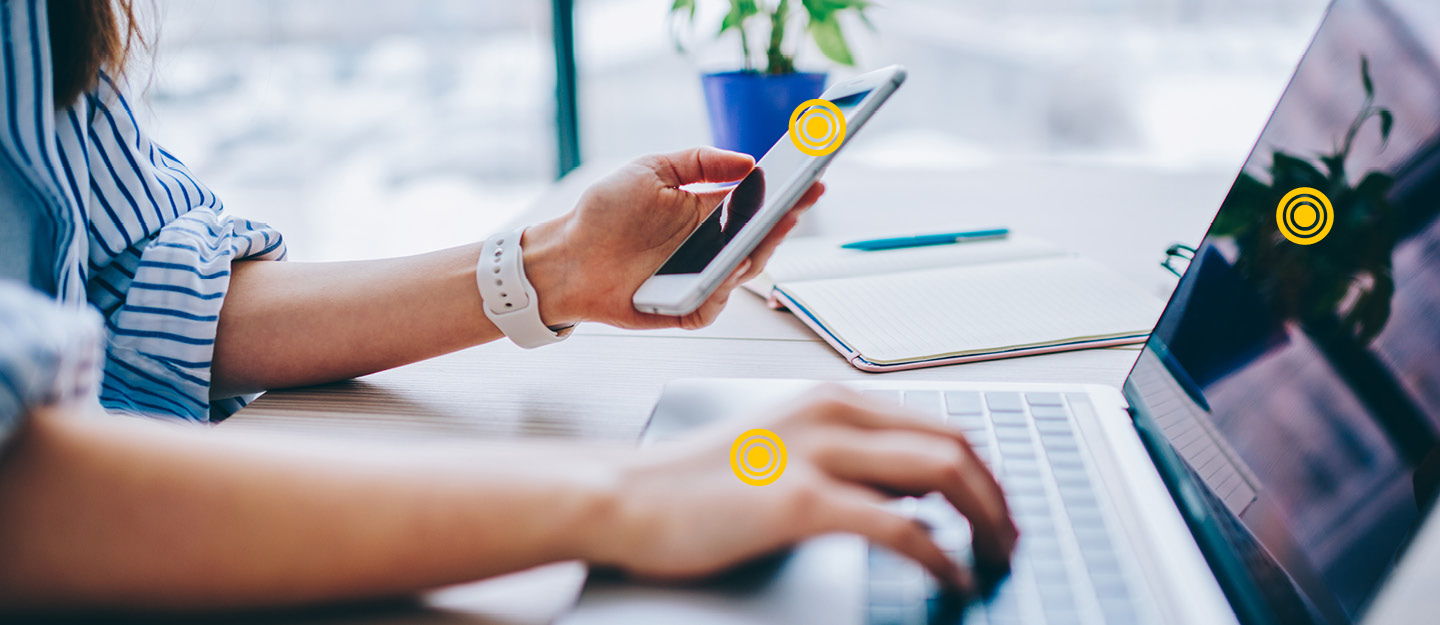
(602, 382)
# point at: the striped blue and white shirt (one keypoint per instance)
(97, 214)
(49, 354)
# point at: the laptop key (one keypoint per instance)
(1099, 557)
(1042, 526)
(1023, 484)
(1049, 571)
(1004, 402)
(1108, 582)
(1008, 418)
(968, 422)
(1058, 442)
(1044, 399)
(1084, 516)
(1065, 458)
(1028, 505)
(1021, 466)
(963, 403)
(1048, 412)
(928, 403)
(1013, 450)
(1096, 538)
(1067, 476)
(1049, 426)
(1012, 433)
(1117, 610)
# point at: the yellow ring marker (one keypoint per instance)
(815, 112)
(1305, 216)
(757, 457)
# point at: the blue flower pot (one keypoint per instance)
(750, 111)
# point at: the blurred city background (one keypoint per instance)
(366, 128)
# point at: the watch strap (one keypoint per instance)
(506, 295)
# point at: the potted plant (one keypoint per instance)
(750, 108)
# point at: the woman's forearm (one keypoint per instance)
(124, 513)
(296, 324)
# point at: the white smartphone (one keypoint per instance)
(756, 204)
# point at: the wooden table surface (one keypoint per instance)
(602, 382)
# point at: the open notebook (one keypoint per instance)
(926, 306)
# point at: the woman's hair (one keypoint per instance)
(87, 36)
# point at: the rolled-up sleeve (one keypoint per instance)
(162, 245)
(49, 353)
(122, 224)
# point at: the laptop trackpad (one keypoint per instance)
(822, 581)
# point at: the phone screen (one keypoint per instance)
(763, 186)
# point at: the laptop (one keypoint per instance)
(1274, 448)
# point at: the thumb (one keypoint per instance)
(702, 164)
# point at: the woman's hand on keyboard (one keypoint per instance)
(679, 510)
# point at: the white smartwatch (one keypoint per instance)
(508, 297)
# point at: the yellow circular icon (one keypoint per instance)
(817, 127)
(1305, 216)
(758, 457)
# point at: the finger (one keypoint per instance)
(951, 467)
(762, 253)
(916, 463)
(702, 164)
(711, 309)
(862, 514)
(866, 412)
(782, 229)
(811, 196)
(766, 248)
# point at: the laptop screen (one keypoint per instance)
(1291, 390)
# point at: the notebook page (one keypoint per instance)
(919, 315)
(819, 258)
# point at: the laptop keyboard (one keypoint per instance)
(1066, 568)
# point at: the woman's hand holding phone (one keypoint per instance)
(587, 264)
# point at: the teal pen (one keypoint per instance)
(875, 245)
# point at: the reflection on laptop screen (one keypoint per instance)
(1297, 368)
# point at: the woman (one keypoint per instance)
(105, 512)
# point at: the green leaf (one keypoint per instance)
(676, 11)
(1335, 164)
(1288, 172)
(865, 19)
(740, 10)
(816, 10)
(1387, 123)
(830, 40)
(841, 5)
(1365, 76)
